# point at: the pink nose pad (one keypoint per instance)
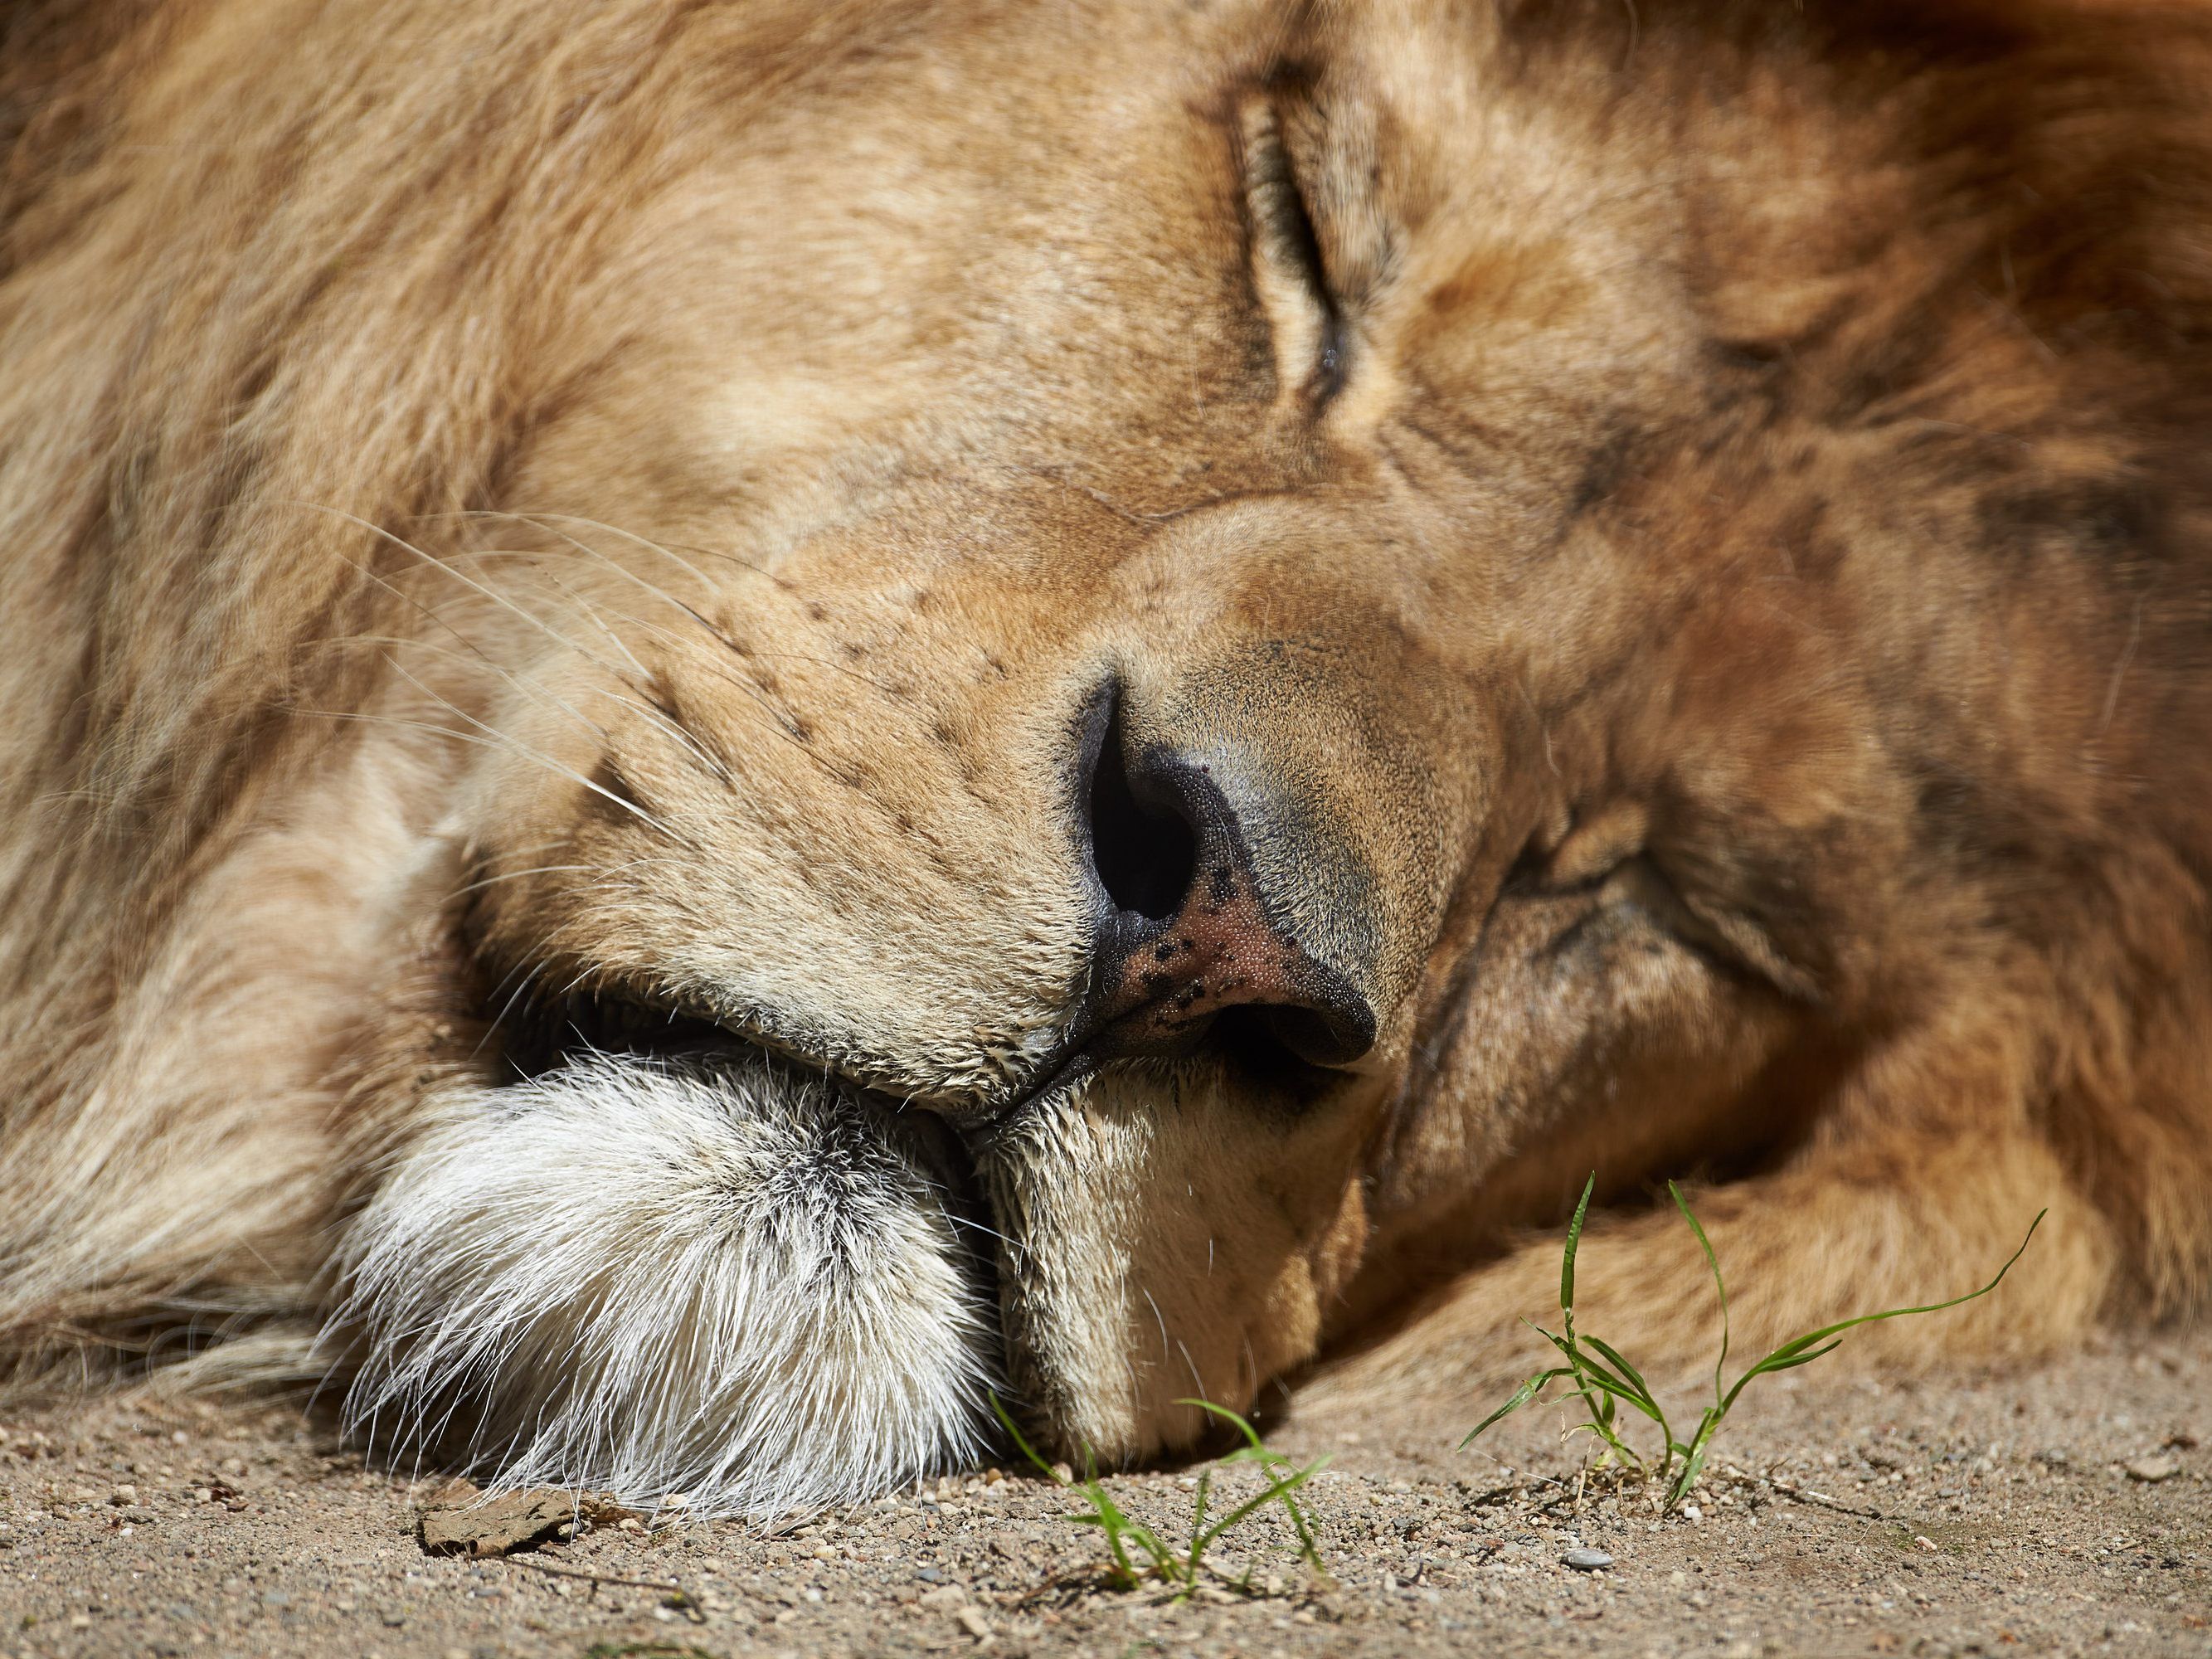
(1218, 950)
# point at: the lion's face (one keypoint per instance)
(1131, 653)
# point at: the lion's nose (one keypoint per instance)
(1187, 926)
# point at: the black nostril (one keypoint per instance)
(1145, 849)
(1187, 930)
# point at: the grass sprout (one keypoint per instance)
(1137, 1555)
(1604, 1380)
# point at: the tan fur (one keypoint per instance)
(515, 498)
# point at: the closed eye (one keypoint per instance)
(1288, 267)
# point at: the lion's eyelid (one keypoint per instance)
(1290, 269)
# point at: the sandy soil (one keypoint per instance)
(1992, 1514)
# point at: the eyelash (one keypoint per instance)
(1283, 218)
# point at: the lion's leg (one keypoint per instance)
(1880, 1222)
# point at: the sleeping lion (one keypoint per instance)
(726, 726)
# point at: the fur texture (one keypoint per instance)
(666, 1277)
(621, 617)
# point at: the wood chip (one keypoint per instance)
(519, 1520)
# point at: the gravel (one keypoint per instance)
(1839, 1513)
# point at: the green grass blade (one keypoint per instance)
(1122, 1531)
(1581, 1367)
(1613, 1357)
(1252, 1441)
(1198, 1532)
(1028, 1450)
(1574, 1242)
(1309, 1550)
(1632, 1387)
(1694, 1464)
(1110, 1521)
(1788, 1353)
(1521, 1395)
(1275, 1489)
(1587, 1375)
(1770, 1364)
(1719, 1284)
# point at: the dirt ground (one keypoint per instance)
(2058, 1510)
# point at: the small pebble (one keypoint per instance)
(1586, 1560)
(2152, 1470)
(974, 1623)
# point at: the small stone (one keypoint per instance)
(393, 1617)
(513, 1521)
(122, 1496)
(974, 1623)
(2152, 1470)
(1922, 1541)
(930, 1576)
(1692, 1512)
(945, 1598)
(1586, 1560)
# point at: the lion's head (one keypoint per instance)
(756, 720)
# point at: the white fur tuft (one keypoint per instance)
(651, 1276)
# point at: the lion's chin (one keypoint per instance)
(654, 1276)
